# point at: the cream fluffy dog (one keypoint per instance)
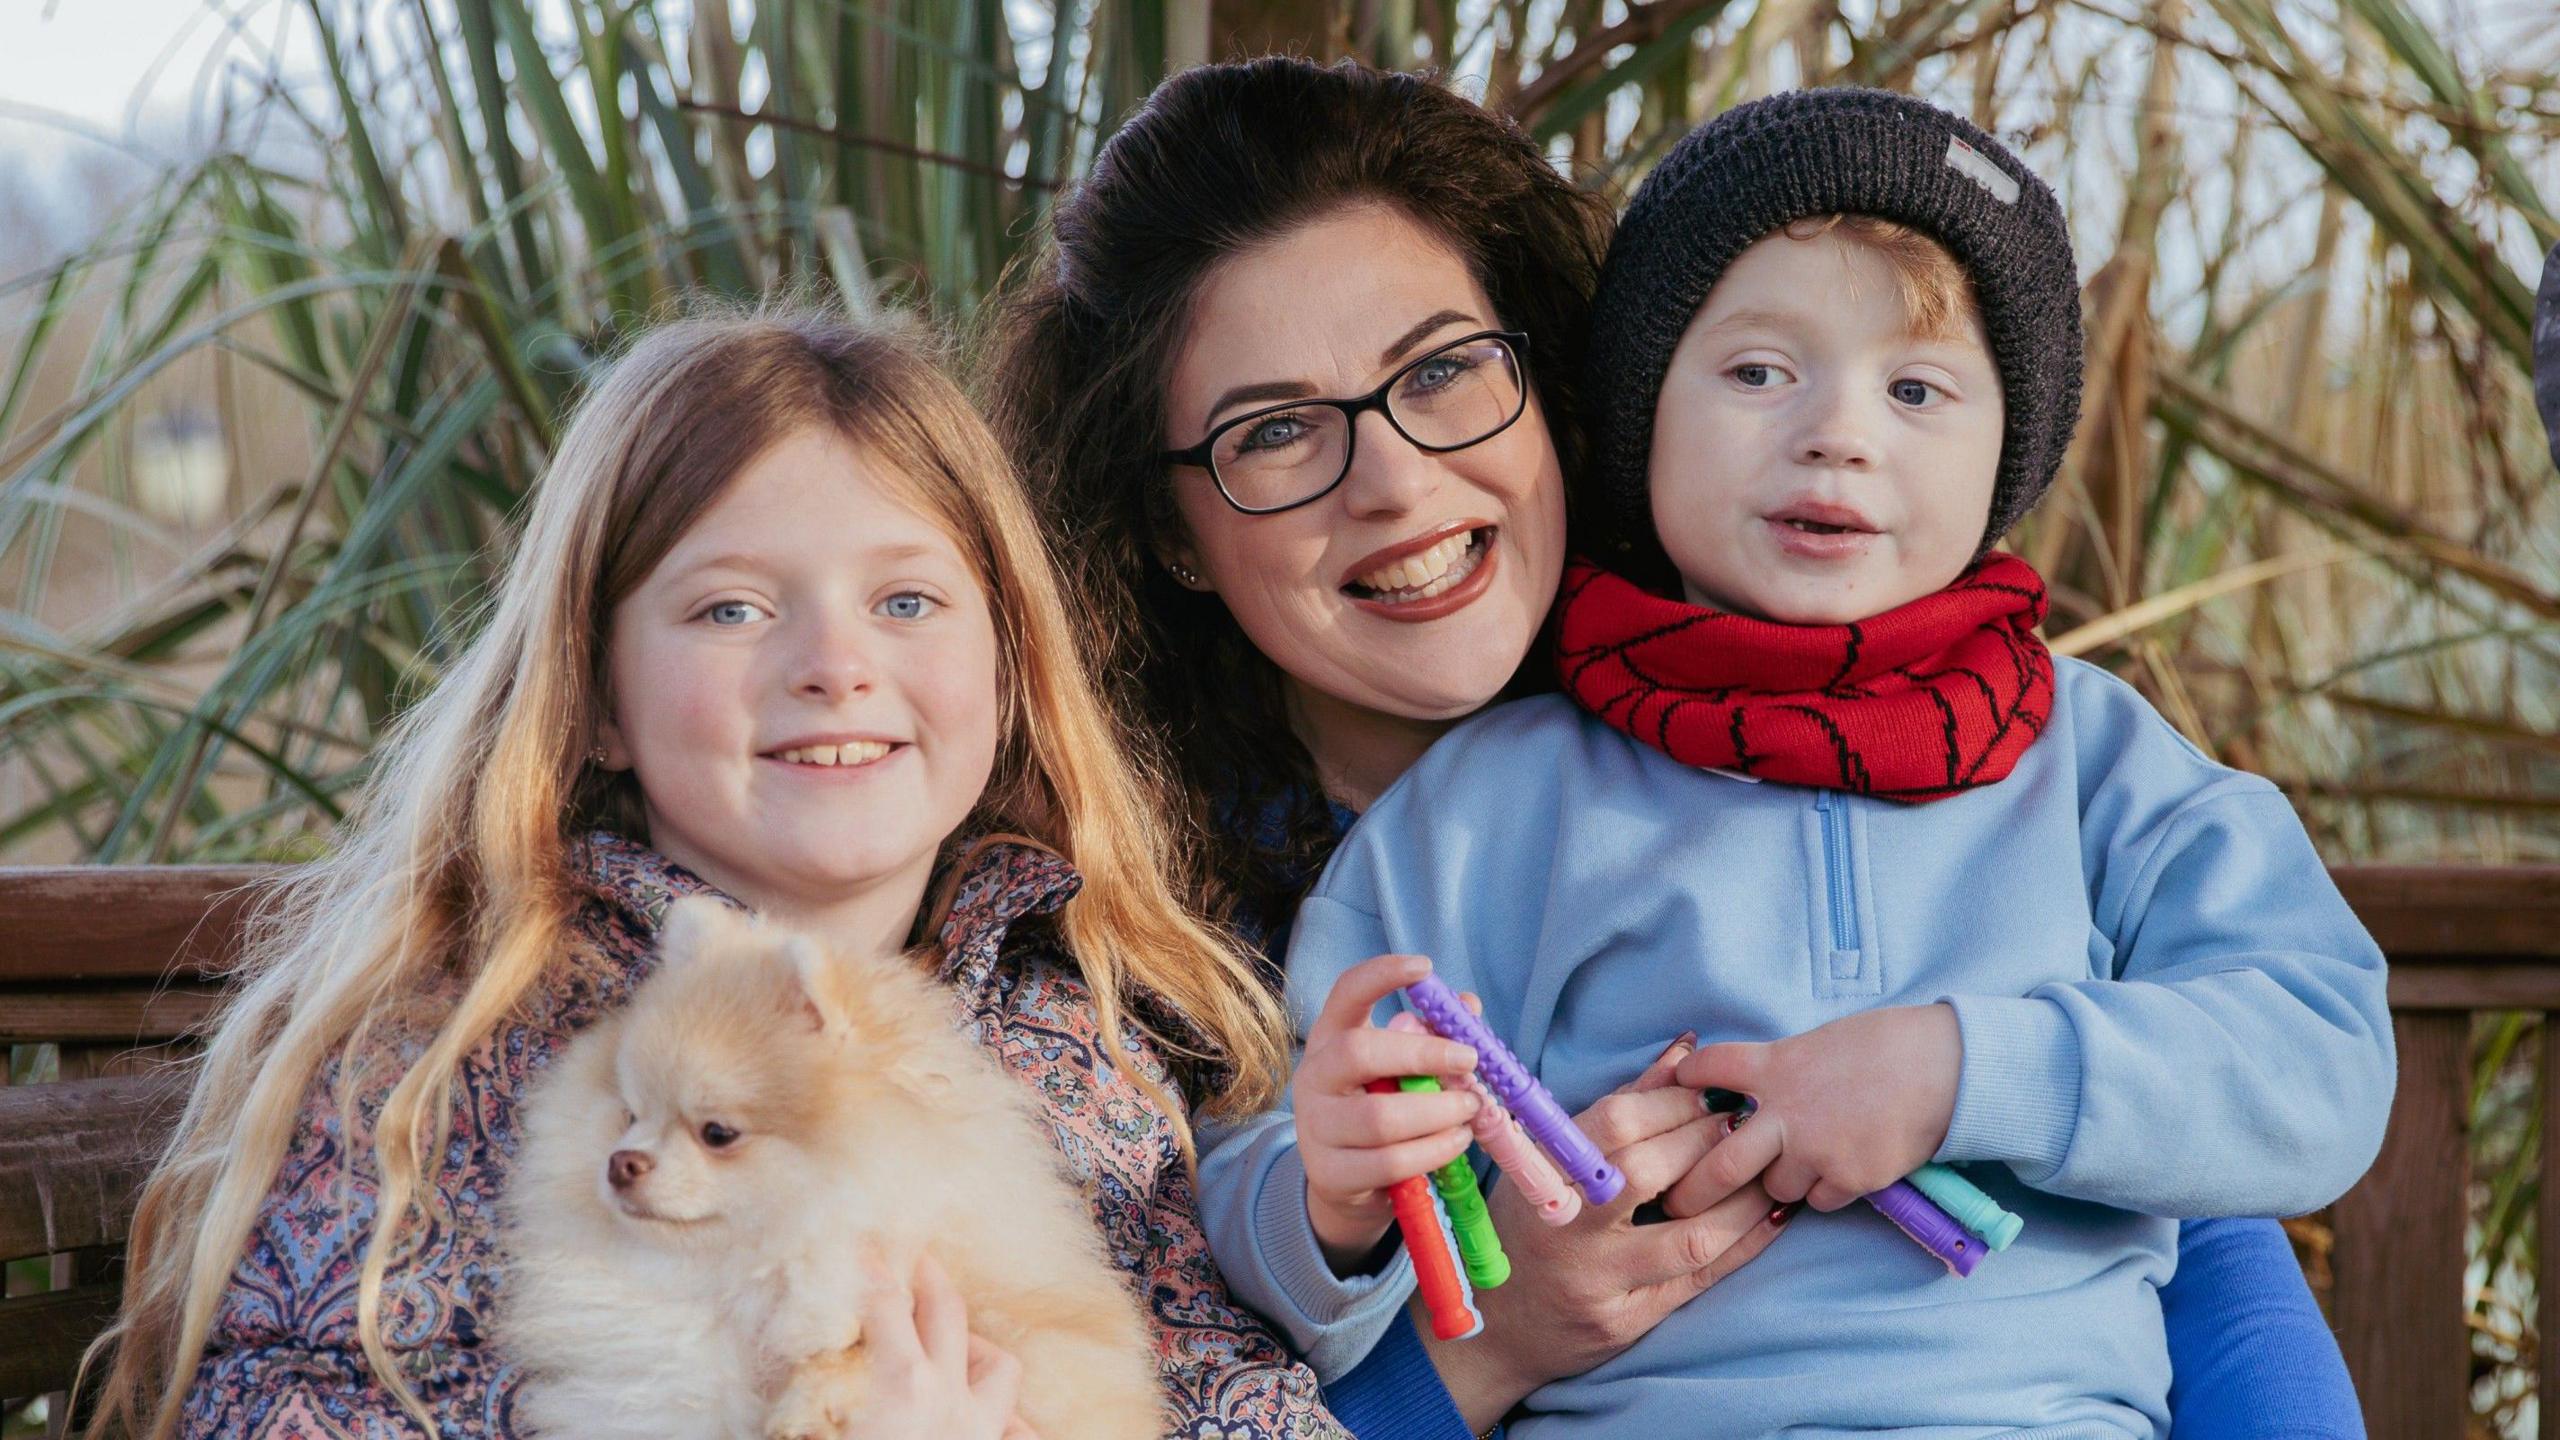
(700, 1176)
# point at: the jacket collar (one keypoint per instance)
(1002, 880)
(634, 879)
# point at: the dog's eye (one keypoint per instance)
(717, 1135)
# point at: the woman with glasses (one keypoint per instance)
(1294, 369)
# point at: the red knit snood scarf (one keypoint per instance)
(1921, 702)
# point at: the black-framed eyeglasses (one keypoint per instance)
(1284, 456)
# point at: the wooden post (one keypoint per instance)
(2546, 1272)
(2399, 1254)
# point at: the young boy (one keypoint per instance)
(1818, 792)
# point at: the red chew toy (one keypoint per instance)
(1435, 1256)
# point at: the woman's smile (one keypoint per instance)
(1438, 575)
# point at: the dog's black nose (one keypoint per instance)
(627, 1166)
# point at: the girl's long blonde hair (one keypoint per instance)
(450, 895)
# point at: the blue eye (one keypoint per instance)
(735, 610)
(1914, 393)
(1751, 377)
(1436, 373)
(1273, 431)
(909, 605)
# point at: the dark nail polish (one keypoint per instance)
(1728, 1102)
(1779, 1215)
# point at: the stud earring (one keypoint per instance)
(596, 756)
(1183, 573)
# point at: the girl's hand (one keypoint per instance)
(1843, 1110)
(1356, 1145)
(929, 1377)
(1580, 1293)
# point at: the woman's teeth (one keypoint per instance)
(1432, 572)
(861, 752)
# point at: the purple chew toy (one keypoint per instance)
(1920, 1218)
(1519, 1091)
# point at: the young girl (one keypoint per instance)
(780, 627)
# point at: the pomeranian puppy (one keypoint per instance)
(700, 1176)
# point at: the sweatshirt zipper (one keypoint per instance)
(1835, 849)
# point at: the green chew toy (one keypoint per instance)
(1965, 1204)
(1479, 1249)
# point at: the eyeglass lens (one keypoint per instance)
(1449, 399)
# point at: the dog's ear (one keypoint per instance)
(692, 925)
(821, 993)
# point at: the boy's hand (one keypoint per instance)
(1356, 1145)
(1843, 1110)
(1581, 1293)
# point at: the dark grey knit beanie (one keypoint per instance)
(1762, 165)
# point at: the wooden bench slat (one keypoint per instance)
(2420, 911)
(42, 1336)
(77, 922)
(107, 922)
(73, 1156)
(123, 1015)
(2468, 983)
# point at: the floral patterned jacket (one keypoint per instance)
(284, 1362)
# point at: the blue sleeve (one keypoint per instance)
(1397, 1393)
(2239, 1062)
(1253, 1191)
(2250, 1356)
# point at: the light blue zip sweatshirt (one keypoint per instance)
(2166, 1007)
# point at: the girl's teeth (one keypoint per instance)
(861, 752)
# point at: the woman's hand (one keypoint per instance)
(1355, 1145)
(927, 1377)
(1580, 1293)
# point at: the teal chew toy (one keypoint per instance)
(1965, 1203)
(1462, 1205)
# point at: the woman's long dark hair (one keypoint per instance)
(1218, 160)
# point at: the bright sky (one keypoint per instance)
(88, 59)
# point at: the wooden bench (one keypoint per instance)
(109, 966)
(100, 961)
